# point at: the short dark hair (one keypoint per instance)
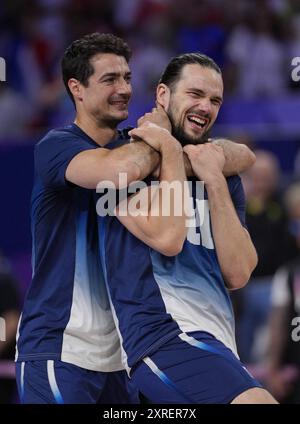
(172, 72)
(76, 59)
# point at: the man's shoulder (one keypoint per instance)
(62, 133)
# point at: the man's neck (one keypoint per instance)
(101, 136)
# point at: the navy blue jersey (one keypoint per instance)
(155, 297)
(66, 315)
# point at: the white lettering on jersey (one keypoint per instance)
(199, 232)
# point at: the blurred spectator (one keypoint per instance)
(126, 13)
(283, 378)
(150, 56)
(9, 310)
(254, 46)
(200, 28)
(297, 165)
(268, 226)
(256, 52)
(266, 215)
(14, 113)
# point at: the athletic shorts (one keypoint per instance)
(50, 382)
(193, 368)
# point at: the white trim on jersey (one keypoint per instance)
(90, 339)
(17, 338)
(124, 357)
(52, 381)
(22, 379)
(152, 365)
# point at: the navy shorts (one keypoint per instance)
(192, 368)
(51, 382)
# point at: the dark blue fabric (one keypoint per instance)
(142, 317)
(207, 374)
(76, 385)
(62, 215)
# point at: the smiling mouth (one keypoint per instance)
(121, 106)
(197, 120)
(120, 102)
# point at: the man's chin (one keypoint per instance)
(120, 113)
(118, 118)
(185, 138)
(195, 141)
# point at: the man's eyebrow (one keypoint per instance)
(199, 91)
(220, 99)
(114, 74)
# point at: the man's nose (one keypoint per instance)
(205, 105)
(124, 87)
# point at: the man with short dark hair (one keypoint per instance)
(68, 349)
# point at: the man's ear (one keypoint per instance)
(75, 88)
(163, 95)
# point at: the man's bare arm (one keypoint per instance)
(160, 226)
(137, 160)
(235, 251)
(238, 157)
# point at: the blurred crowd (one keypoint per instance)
(253, 41)
(266, 307)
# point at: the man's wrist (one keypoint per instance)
(214, 180)
(171, 146)
(151, 157)
(188, 166)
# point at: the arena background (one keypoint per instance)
(254, 42)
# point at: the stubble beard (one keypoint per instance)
(108, 121)
(184, 139)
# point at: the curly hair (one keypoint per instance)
(76, 59)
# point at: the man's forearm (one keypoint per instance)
(235, 251)
(163, 226)
(238, 157)
(187, 165)
(145, 157)
(164, 216)
(140, 157)
(94, 168)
